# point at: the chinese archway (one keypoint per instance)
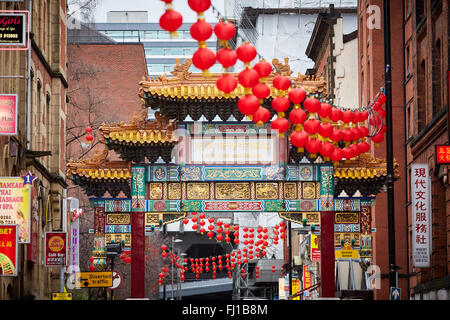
(298, 185)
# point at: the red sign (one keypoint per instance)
(8, 250)
(8, 114)
(442, 154)
(55, 248)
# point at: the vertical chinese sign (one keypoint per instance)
(15, 205)
(55, 248)
(8, 114)
(315, 251)
(8, 250)
(306, 280)
(421, 215)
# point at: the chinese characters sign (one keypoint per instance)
(315, 251)
(8, 250)
(8, 114)
(421, 215)
(15, 205)
(55, 249)
(443, 154)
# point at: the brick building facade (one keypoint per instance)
(41, 149)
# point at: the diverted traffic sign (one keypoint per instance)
(94, 279)
(61, 296)
(396, 293)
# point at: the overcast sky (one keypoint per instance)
(155, 9)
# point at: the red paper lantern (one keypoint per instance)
(248, 104)
(263, 68)
(336, 135)
(280, 104)
(364, 131)
(356, 116)
(324, 110)
(312, 126)
(261, 90)
(364, 116)
(347, 116)
(219, 237)
(363, 147)
(261, 116)
(297, 116)
(226, 83)
(225, 30)
(280, 124)
(347, 153)
(313, 146)
(248, 77)
(185, 220)
(326, 149)
(378, 138)
(335, 114)
(312, 104)
(336, 155)
(281, 83)
(201, 30)
(299, 139)
(226, 57)
(297, 95)
(163, 247)
(199, 5)
(210, 234)
(89, 138)
(326, 129)
(204, 59)
(347, 135)
(171, 20)
(246, 52)
(88, 130)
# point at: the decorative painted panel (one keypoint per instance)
(346, 217)
(117, 205)
(197, 191)
(174, 190)
(290, 190)
(267, 190)
(118, 218)
(230, 191)
(308, 190)
(118, 228)
(118, 237)
(156, 191)
(138, 189)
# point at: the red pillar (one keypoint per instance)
(137, 255)
(327, 263)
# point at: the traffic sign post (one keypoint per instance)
(94, 279)
(61, 296)
(396, 293)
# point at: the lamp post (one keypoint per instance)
(173, 251)
(389, 144)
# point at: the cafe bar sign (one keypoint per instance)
(13, 28)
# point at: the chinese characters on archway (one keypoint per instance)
(420, 200)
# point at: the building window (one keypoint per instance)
(420, 10)
(437, 77)
(421, 97)
(407, 61)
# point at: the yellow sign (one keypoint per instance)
(61, 296)
(15, 204)
(295, 288)
(347, 252)
(94, 279)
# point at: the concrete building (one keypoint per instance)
(282, 29)
(40, 145)
(161, 52)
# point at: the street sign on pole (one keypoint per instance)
(396, 293)
(94, 279)
(61, 296)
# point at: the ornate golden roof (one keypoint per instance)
(365, 167)
(187, 85)
(140, 130)
(100, 168)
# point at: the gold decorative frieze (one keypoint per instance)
(152, 218)
(312, 218)
(230, 191)
(267, 190)
(174, 191)
(118, 218)
(346, 217)
(197, 191)
(290, 190)
(309, 190)
(156, 191)
(118, 237)
(347, 237)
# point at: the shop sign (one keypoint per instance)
(15, 205)
(55, 248)
(8, 114)
(421, 215)
(13, 28)
(8, 250)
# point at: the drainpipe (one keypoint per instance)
(406, 148)
(28, 116)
